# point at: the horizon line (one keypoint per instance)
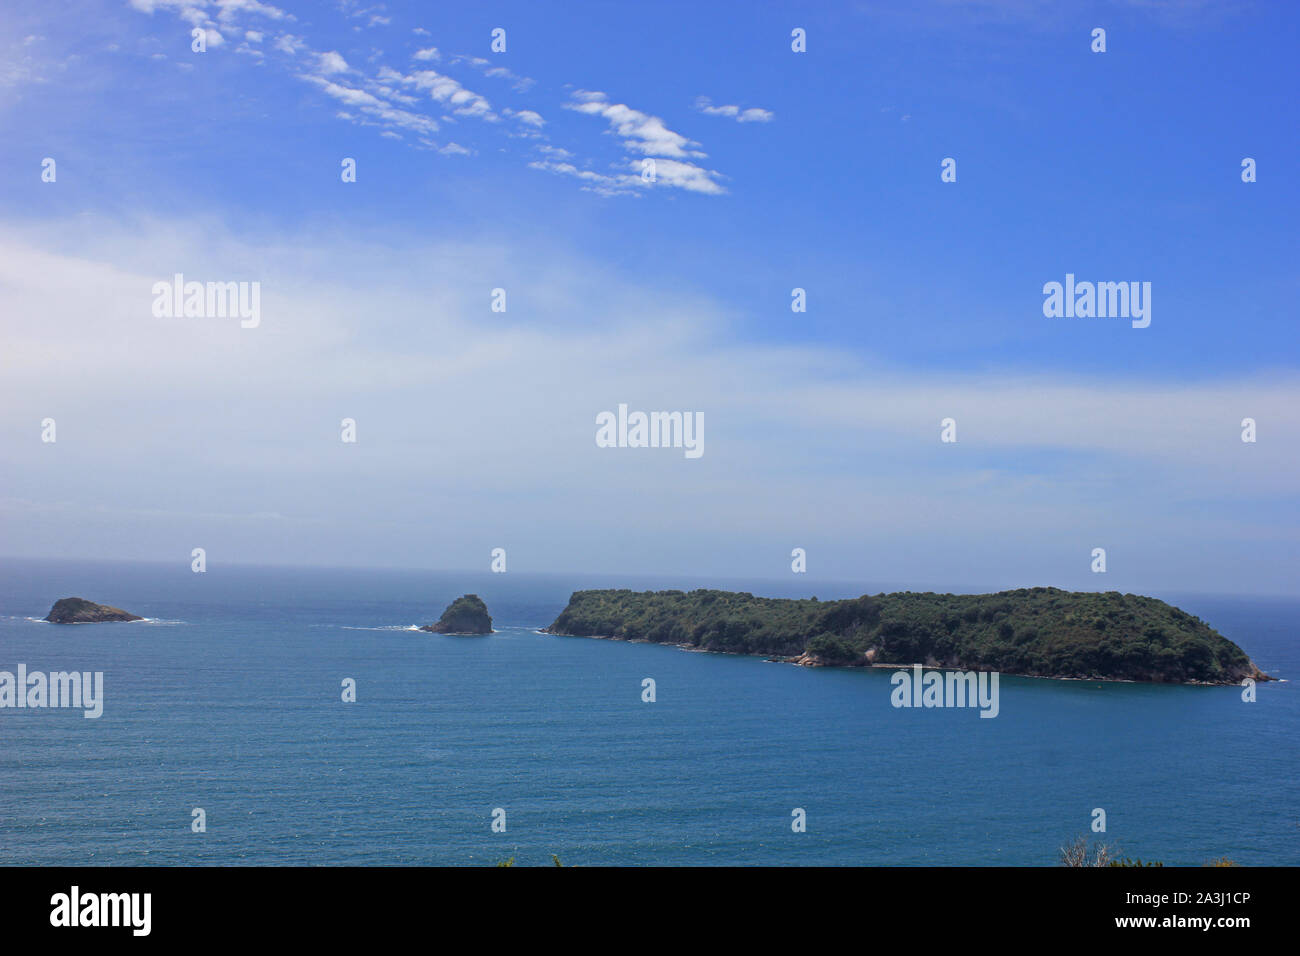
(757, 579)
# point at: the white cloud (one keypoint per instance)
(345, 94)
(646, 134)
(331, 62)
(373, 108)
(528, 117)
(834, 449)
(639, 131)
(196, 12)
(443, 89)
(488, 68)
(397, 96)
(191, 11)
(751, 115)
(680, 175)
(386, 99)
(603, 184)
(288, 43)
(228, 10)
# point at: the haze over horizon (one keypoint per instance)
(776, 170)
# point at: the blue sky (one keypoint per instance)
(777, 169)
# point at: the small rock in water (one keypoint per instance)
(74, 610)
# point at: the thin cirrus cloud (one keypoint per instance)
(520, 83)
(373, 110)
(415, 102)
(668, 172)
(671, 152)
(381, 100)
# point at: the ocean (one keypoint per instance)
(229, 699)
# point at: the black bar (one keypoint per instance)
(334, 904)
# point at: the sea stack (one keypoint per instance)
(75, 610)
(465, 615)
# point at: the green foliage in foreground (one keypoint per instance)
(1039, 632)
(511, 862)
(1127, 861)
(1081, 853)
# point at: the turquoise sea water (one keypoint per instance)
(230, 700)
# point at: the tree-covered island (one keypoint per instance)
(1033, 632)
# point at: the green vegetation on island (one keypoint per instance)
(1033, 632)
(75, 610)
(465, 615)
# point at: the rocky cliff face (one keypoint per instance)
(74, 610)
(465, 615)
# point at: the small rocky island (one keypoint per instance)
(75, 610)
(465, 615)
(1032, 632)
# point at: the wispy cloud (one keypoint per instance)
(748, 115)
(603, 184)
(373, 15)
(210, 12)
(639, 131)
(373, 108)
(650, 136)
(290, 44)
(527, 117)
(376, 94)
(679, 175)
(1044, 461)
(488, 68)
(450, 93)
